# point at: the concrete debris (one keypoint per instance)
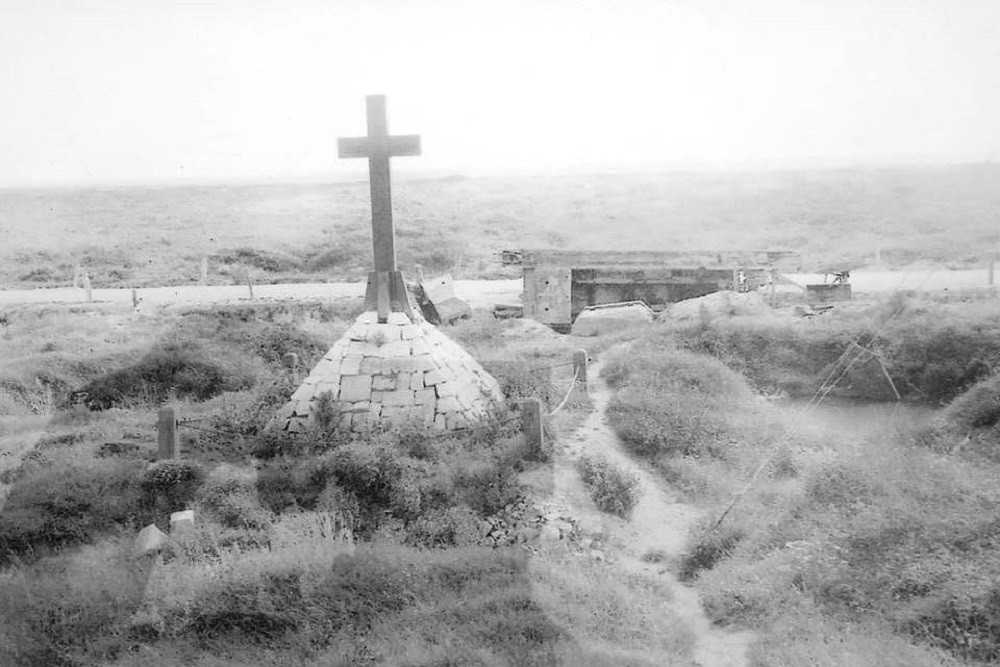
(595, 320)
(150, 540)
(438, 301)
(717, 304)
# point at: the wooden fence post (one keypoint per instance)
(291, 361)
(580, 369)
(166, 434)
(531, 421)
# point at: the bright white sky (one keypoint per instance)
(117, 91)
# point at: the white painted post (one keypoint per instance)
(86, 286)
(204, 270)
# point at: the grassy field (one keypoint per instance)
(265, 579)
(137, 237)
(882, 551)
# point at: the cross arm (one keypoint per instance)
(405, 144)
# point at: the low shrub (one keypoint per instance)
(977, 408)
(265, 260)
(711, 545)
(71, 503)
(614, 489)
(177, 369)
(171, 484)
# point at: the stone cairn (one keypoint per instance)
(397, 372)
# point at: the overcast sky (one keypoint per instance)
(118, 91)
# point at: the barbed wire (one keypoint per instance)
(820, 395)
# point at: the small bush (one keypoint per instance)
(170, 485)
(70, 504)
(841, 484)
(177, 369)
(265, 260)
(710, 547)
(613, 489)
(979, 407)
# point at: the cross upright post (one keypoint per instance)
(386, 291)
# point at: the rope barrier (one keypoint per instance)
(539, 369)
(572, 386)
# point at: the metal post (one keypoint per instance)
(531, 421)
(166, 434)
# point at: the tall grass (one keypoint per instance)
(894, 536)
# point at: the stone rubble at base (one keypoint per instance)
(396, 372)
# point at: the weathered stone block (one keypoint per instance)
(425, 396)
(433, 377)
(420, 346)
(403, 382)
(377, 396)
(361, 406)
(358, 332)
(398, 318)
(401, 348)
(383, 383)
(354, 388)
(446, 388)
(409, 332)
(351, 365)
(370, 366)
(426, 363)
(416, 380)
(448, 404)
(398, 398)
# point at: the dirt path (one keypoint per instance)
(659, 525)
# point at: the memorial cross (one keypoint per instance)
(386, 290)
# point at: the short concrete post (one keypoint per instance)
(580, 368)
(250, 284)
(531, 421)
(76, 275)
(291, 361)
(86, 286)
(166, 433)
(204, 270)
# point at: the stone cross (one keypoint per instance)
(386, 291)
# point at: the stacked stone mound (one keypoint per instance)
(717, 304)
(397, 372)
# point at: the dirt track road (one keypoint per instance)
(479, 293)
(660, 523)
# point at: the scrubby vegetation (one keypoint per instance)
(884, 549)
(613, 489)
(933, 351)
(268, 576)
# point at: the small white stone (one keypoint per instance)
(182, 523)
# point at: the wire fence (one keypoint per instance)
(840, 369)
(530, 415)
